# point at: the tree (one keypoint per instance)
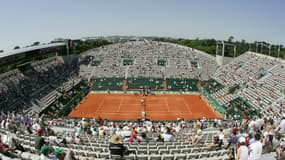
(89, 44)
(16, 47)
(58, 40)
(230, 39)
(36, 43)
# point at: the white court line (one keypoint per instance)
(128, 112)
(100, 105)
(119, 108)
(166, 103)
(186, 104)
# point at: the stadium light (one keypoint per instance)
(223, 49)
(220, 57)
(279, 50)
(280, 47)
(263, 44)
(235, 50)
(249, 47)
(67, 49)
(256, 46)
(224, 44)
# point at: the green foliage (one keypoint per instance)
(83, 46)
(212, 85)
(234, 88)
(69, 100)
(65, 111)
(206, 45)
(209, 45)
(239, 108)
(16, 47)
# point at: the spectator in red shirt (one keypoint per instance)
(134, 138)
(6, 150)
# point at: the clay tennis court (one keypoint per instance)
(129, 107)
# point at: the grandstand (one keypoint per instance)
(51, 89)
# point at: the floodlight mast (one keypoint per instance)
(249, 47)
(279, 48)
(261, 47)
(217, 47)
(223, 48)
(219, 58)
(256, 46)
(229, 44)
(67, 49)
(278, 52)
(235, 50)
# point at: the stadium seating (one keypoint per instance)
(107, 83)
(249, 86)
(140, 83)
(145, 55)
(261, 92)
(182, 84)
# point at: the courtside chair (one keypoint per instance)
(92, 154)
(169, 147)
(196, 150)
(104, 155)
(204, 155)
(116, 157)
(162, 147)
(214, 154)
(163, 151)
(152, 143)
(142, 147)
(181, 146)
(168, 157)
(143, 143)
(155, 157)
(142, 151)
(153, 151)
(130, 157)
(192, 156)
(180, 157)
(186, 150)
(142, 157)
(152, 147)
(174, 151)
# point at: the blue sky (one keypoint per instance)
(26, 21)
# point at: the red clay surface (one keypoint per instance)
(157, 107)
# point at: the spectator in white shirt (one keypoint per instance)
(281, 127)
(256, 148)
(242, 151)
(259, 122)
(167, 136)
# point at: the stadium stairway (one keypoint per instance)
(35, 107)
(124, 85)
(40, 104)
(164, 85)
